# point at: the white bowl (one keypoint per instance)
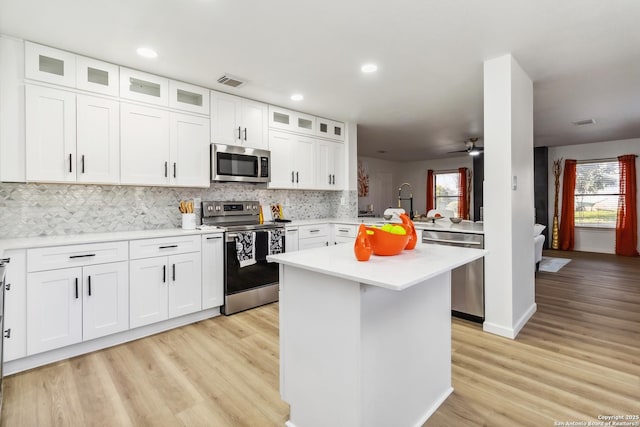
(455, 220)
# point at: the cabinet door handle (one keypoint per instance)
(70, 163)
(297, 180)
(292, 173)
(7, 286)
(343, 230)
(168, 246)
(174, 169)
(81, 256)
(245, 134)
(329, 179)
(166, 172)
(77, 288)
(213, 238)
(317, 230)
(7, 333)
(239, 131)
(89, 283)
(173, 273)
(334, 179)
(82, 161)
(164, 274)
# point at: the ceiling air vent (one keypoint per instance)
(584, 122)
(232, 81)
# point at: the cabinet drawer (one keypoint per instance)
(345, 230)
(164, 246)
(76, 255)
(312, 231)
(49, 65)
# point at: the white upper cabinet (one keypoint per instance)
(330, 165)
(292, 161)
(330, 129)
(49, 65)
(238, 121)
(71, 138)
(163, 148)
(98, 140)
(187, 97)
(189, 141)
(97, 76)
(292, 121)
(144, 87)
(144, 148)
(50, 134)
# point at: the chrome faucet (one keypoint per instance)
(400, 199)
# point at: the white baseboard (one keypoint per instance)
(510, 332)
(51, 356)
(434, 407)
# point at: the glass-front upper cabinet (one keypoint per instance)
(330, 129)
(49, 65)
(293, 121)
(187, 97)
(144, 87)
(97, 76)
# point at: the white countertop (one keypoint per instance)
(76, 239)
(392, 272)
(440, 225)
(446, 225)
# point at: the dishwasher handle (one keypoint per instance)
(454, 242)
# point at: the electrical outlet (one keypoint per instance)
(286, 202)
(342, 201)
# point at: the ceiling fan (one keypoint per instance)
(471, 149)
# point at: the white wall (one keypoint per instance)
(508, 211)
(591, 239)
(415, 173)
(383, 191)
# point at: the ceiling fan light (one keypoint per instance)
(474, 152)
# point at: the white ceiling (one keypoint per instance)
(426, 98)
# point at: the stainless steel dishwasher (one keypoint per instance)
(467, 281)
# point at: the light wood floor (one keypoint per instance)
(578, 357)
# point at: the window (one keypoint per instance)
(596, 194)
(447, 191)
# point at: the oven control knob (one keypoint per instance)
(209, 208)
(217, 208)
(254, 207)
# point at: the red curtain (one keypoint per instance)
(463, 209)
(627, 222)
(567, 225)
(430, 189)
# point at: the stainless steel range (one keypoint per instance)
(249, 280)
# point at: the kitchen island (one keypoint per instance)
(366, 343)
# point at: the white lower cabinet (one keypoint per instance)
(291, 239)
(164, 287)
(344, 233)
(213, 270)
(105, 299)
(313, 236)
(15, 306)
(70, 305)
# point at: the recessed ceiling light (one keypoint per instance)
(297, 97)
(146, 52)
(369, 68)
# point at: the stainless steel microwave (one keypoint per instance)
(231, 163)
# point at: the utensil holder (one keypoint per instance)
(189, 221)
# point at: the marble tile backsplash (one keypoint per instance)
(28, 210)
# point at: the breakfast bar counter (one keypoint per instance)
(366, 343)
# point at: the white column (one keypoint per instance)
(508, 197)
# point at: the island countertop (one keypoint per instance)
(391, 272)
